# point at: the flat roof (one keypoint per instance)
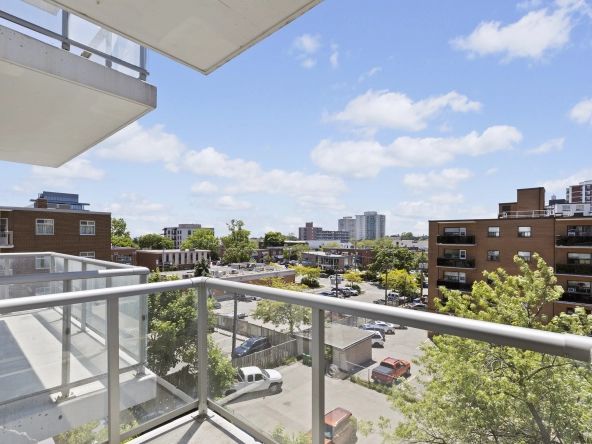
(342, 336)
(56, 210)
(178, 250)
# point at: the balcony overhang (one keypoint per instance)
(202, 34)
(57, 105)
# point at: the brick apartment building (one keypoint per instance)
(328, 261)
(460, 250)
(59, 229)
(310, 232)
(181, 259)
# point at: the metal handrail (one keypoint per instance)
(68, 41)
(565, 345)
(72, 275)
(81, 259)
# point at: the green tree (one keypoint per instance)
(407, 235)
(353, 277)
(155, 242)
(391, 257)
(202, 267)
(120, 237)
(279, 435)
(273, 239)
(476, 392)
(332, 244)
(310, 275)
(290, 236)
(294, 251)
(281, 313)
(405, 283)
(203, 239)
(238, 246)
(172, 337)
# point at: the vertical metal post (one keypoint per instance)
(66, 342)
(202, 350)
(113, 368)
(84, 305)
(66, 28)
(52, 269)
(234, 326)
(318, 376)
(143, 328)
(109, 48)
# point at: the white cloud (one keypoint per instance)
(230, 203)
(385, 109)
(534, 35)
(334, 59)
(204, 188)
(309, 63)
(249, 177)
(422, 210)
(319, 202)
(582, 112)
(529, 4)
(141, 214)
(366, 158)
(491, 171)
(308, 44)
(78, 168)
(549, 145)
(558, 186)
(369, 73)
(447, 198)
(135, 143)
(447, 179)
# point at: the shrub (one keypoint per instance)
(356, 287)
(310, 282)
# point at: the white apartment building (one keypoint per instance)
(370, 225)
(179, 234)
(347, 223)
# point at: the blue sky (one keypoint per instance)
(418, 110)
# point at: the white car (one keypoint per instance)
(378, 339)
(388, 327)
(254, 379)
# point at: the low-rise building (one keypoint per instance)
(275, 253)
(364, 256)
(180, 259)
(124, 255)
(179, 234)
(310, 232)
(328, 261)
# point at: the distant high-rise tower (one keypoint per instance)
(348, 224)
(370, 225)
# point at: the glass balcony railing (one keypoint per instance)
(566, 241)
(577, 297)
(458, 263)
(129, 362)
(455, 285)
(466, 240)
(56, 27)
(573, 269)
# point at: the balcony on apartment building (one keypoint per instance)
(455, 262)
(76, 356)
(455, 285)
(456, 240)
(577, 296)
(573, 241)
(574, 268)
(75, 83)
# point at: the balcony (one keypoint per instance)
(573, 241)
(456, 240)
(457, 263)
(581, 269)
(78, 357)
(576, 297)
(455, 285)
(6, 239)
(67, 102)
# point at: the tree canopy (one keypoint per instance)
(203, 239)
(273, 239)
(401, 281)
(475, 392)
(332, 244)
(238, 246)
(294, 251)
(281, 313)
(155, 242)
(120, 237)
(353, 277)
(389, 256)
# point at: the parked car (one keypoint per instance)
(378, 339)
(254, 379)
(327, 293)
(353, 292)
(389, 370)
(340, 427)
(338, 289)
(247, 298)
(217, 305)
(378, 301)
(324, 275)
(239, 315)
(373, 327)
(387, 326)
(252, 345)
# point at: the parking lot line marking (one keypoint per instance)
(422, 342)
(411, 378)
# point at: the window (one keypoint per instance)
(493, 232)
(506, 208)
(462, 254)
(455, 231)
(42, 263)
(44, 226)
(578, 287)
(523, 231)
(455, 276)
(566, 208)
(493, 255)
(579, 207)
(88, 254)
(452, 254)
(579, 258)
(250, 378)
(87, 227)
(524, 255)
(258, 377)
(579, 230)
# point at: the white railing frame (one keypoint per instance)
(566, 345)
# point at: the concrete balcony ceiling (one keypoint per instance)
(202, 34)
(56, 105)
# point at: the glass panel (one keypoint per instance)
(42, 14)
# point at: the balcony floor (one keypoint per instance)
(186, 430)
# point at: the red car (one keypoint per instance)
(340, 427)
(389, 370)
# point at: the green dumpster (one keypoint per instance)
(306, 359)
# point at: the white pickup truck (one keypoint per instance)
(254, 379)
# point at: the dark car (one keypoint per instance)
(247, 298)
(252, 345)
